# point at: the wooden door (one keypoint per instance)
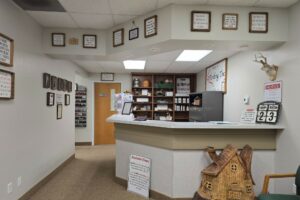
(104, 131)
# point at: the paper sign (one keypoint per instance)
(59, 98)
(248, 116)
(139, 175)
(273, 91)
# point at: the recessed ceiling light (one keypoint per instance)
(193, 55)
(134, 64)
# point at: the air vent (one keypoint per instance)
(40, 5)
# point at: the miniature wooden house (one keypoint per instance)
(229, 176)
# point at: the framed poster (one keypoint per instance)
(201, 21)
(150, 26)
(107, 76)
(6, 50)
(118, 37)
(54, 83)
(258, 22)
(230, 21)
(46, 80)
(133, 34)
(50, 99)
(89, 41)
(216, 76)
(59, 111)
(7, 82)
(58, 39)
(67, 99)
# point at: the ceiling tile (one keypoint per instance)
(132, 7)
(156, 66)
(53, 19)
(169, 56)
(275, 3)
(87, 6)
(232, 2)
(163, 3)
(119, 19)
(112, 66)
(179, 67)
(93, 21)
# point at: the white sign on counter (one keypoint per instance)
(248, 116)
(273, 91)
(139, 175)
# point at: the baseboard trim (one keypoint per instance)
(153, 194)
(83, 143)
(36, 187)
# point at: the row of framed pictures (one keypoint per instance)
(150, 30)
(201, 21)
(88, 40)
(56, 83)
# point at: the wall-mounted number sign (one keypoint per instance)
(268, 112)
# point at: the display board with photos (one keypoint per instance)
(150, 26)
(58, 39)
(268, 112)
(201, 21)
(81, 107)
(6, 50)
(258, 22)
(216, 76)
(118, 37)
(7, 80)
(89, 41)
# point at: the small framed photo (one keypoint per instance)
(6, 50)
(201, 21)
(230, 21)
(127, 108)
(46, 80)
(67, 99)
(89, 41)
(118, 37)
(133, 34)
(69, 86)
(107, 76)
(7, 82)
(150, 26)
(58, 39)
(65, 85)
(60, 84)
(258, 22)
(59, 111)
(50, 99)
(54, 83)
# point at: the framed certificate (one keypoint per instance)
(200, 21)
(59, 111)
(107, 76)
(133, 34)
(258, 22)
(118, 37)
(58, 39)
(89, 41)
(230, 21)
(150, 26)
(54, 83)
(6, 50)
(216, 76)
(7, 80)
(67, 99)
(50, 99)
(46, 80)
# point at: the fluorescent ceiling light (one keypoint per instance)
(134, 64)
(193, 55)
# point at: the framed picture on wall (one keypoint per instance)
(7, 82)
(107, 76)
(65, 85)
(60, 84)
(216, 76)
(133, 34)
(118, 37)
(50, 99)
(6, 50)
(201, 21)
(53, 83)
(127, 108)
(258, 22)
(69, 86)
(59, 111)
(58, 39)
(230, 21)
(67, 99)
(150, 26)
(46, 80)
(89, 41)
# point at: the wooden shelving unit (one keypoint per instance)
(158, 101)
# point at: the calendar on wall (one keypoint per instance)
(268, 112)
(6, 84)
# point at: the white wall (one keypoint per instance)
(32, 142)
(246, 78)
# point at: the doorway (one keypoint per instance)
(104, 107)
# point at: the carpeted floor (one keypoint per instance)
(89, 177)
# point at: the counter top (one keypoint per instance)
(128, 119)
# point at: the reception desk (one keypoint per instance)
(177, 150)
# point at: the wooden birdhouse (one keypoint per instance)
(229, 176)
